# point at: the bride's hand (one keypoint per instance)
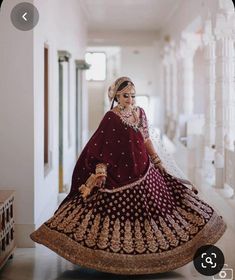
(100, 181)
(161, 168)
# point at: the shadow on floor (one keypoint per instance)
(89, 274)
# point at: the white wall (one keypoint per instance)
(16, 116)
(142, 64)
(61, 27)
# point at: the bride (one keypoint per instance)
(125, 213)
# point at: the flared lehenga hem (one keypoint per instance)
(131, 264)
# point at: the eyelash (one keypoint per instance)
(127, 95)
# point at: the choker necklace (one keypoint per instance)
(125, 114)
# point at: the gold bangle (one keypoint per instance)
(153, 157)
(101, 168)
(156, 159)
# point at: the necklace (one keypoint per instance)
(126, 114)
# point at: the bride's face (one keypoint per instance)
(127, 98)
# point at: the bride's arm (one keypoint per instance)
(148, 143)
(152, 153)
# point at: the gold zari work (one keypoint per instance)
(136, 264)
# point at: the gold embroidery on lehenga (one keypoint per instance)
(83, 226)
(92, 236)
(182, 234)
(160, 238)
(191, 218)
(115, 241)
(106, 261)
(65, 223)
(104, 234)
(59, 216)
(74, 223)
(152, 244)
(168, 233)
(199, 203)
(127, 244)
(197, 209)
(139, 242)
(59, 211)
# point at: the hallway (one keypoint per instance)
(54, 81)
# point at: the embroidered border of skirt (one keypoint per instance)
(127, 263)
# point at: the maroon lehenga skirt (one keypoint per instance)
(153, 225)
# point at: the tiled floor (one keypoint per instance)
(43, 264)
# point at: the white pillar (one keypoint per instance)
(173, 91)
(209, 128)
(174, 85)
(167, 87)
(188, 85)
(224, 32)
(230, 94)
(189, 43)
(209, 55)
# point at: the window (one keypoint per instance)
(97, 71)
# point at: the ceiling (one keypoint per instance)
(128, 15)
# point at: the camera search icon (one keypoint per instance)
(209, 260)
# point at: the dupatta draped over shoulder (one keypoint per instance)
(120, 147)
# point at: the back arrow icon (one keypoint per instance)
(24, 16)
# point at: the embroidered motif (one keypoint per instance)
(79, 234)
(74, 223)
(103, 237)
(71, 221)
(128, 244)
(139, 242)
(197, 209)
(188, 227)
(115, 241)
(182, 234)
(168, 233)
(152, 244)
(59, 216)
(199, 203)
(160, 238)
(92, 235)
(192, 218)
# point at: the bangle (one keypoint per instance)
(101, 169)
(155, 159)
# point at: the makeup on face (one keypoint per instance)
(127, 95)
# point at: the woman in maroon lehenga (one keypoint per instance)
(125, 214)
